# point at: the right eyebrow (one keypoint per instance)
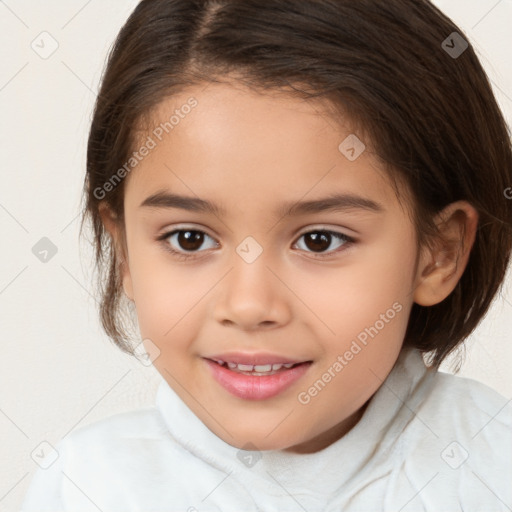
(163, 199)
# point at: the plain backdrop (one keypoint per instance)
(58, 370)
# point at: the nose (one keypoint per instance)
(251, 297)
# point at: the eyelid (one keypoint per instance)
(184, 227)
(331, 229)
(348, 242)
(307, 229)
(178, 254)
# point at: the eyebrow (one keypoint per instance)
(334, 202)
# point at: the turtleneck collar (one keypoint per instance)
(324, 473)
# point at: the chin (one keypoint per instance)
(262, 438)
(259, 443)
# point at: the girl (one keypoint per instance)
(298, 200)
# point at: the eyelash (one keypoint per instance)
(183, 256)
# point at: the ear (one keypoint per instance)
(441, 267)
(113, 225)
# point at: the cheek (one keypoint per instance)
(364, 303)
(167, 297)
(386, 267)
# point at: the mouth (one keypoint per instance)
(258, 370)
(256, 378)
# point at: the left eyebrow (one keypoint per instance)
(336, 202)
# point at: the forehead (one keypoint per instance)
(227, 143)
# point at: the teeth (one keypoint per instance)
(263, 368)
(259, 368)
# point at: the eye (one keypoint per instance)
(186, 242)
(321, 240)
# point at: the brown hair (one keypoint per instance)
(430, 114)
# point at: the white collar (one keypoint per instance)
(356, 453)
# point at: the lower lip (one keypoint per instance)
(251, 387)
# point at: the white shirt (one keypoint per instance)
(428, 441)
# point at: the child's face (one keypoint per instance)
(345, 313)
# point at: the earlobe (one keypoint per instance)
(111, 224)
(108, 218)
(441, 266)
(127, 280)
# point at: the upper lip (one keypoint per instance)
(256, 358)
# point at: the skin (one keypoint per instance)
(248, 153)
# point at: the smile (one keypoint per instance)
(256, 381)
(259, 369)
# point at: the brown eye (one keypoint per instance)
(185, 241)
(190, 240)
(321, 241)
